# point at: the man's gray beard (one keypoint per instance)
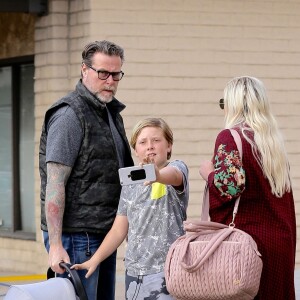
(103, 101)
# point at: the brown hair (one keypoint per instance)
(105, 47)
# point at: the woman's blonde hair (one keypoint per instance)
(247, 107)
(152, 122)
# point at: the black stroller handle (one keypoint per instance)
(74, 277)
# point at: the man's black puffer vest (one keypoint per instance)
(93, 188)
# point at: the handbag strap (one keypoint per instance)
(221, 234)
(210, 248)
(205, 205)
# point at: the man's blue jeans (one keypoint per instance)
(101, 284)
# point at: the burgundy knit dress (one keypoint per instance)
(269, 220)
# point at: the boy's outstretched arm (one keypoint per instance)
(166, 175)
(112, 241)
(170, 175)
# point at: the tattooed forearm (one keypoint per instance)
(57, 177)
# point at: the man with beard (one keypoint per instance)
(82, 146)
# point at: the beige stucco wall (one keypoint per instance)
(179, 56)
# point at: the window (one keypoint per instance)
(17, 147)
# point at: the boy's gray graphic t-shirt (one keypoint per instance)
(155, 214)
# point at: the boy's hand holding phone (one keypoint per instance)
(137, 174)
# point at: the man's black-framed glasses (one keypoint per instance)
(221, 103)
(103, 75)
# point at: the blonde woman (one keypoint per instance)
(262, 179)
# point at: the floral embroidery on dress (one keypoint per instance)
(229, 173)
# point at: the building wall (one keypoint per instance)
(17, 34)
(179, 56)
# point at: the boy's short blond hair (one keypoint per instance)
(152, 122)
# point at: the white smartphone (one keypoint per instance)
(137, 174)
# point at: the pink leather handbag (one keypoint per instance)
(212, 260)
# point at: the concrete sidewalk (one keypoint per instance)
(120, 282)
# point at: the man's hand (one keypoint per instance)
(57, 254)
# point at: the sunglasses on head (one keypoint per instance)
(221, 103)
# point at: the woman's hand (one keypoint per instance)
(206, 167)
